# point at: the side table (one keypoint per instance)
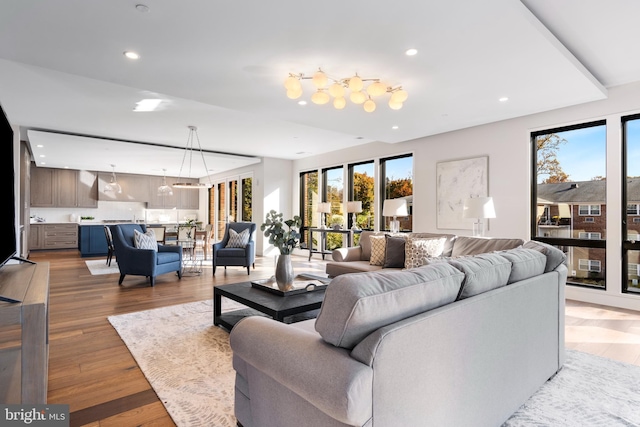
(323, 239)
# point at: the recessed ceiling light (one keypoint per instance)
(394, 127)
(39, 145)
(42, 155)
(503, 99)
(131, 55)
(142, 8)
(42, 163)
(302, 102)
(411, 52)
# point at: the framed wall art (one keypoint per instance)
(456, 181)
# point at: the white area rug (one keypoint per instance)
(99, 266)
(187, 360)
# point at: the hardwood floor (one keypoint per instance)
(91, 369)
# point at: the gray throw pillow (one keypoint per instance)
(394, 252)
(145, 241)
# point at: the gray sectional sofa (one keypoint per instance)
(357, 259)
(461, 341)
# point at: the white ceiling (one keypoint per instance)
(221, 66)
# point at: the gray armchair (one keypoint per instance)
(143, 262)
(242, 257)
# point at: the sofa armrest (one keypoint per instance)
(300, 361)
(347, 254)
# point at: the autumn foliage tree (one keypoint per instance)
(547, 147)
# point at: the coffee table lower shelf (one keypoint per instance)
(288, 309)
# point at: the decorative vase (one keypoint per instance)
(284, 272)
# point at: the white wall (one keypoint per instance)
(507, 143)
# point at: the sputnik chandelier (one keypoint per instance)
(327, 87)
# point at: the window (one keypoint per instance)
(630, 218)
(569, 165)
(361, 188)
(589, 210)
(589, 265)
(633, 209)
(333, 186)
(587, 235)
(247, 199)
(308, 202)
(397, 182)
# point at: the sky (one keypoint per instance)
(583, 156)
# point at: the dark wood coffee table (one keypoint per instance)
(287, 309)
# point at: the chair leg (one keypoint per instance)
(121, 279)
(180, 274)
(248, 269)
(152, 279)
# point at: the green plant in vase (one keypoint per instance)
(284, 235)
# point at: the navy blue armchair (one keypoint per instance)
(143, 262)
(242, 257)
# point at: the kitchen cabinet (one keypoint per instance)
(36, 236)
(63, 188)
(182, 198)
(93, 242)
(53, 236)
(135, 188)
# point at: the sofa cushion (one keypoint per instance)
(555, 256)
(525, 263)
(365, 243)
(448, 245)
(418, 251)
(334, 269)
(394, 251)
(145, 240)
(465, 245)
(357, 304)
(482, 272)
(377, 250)
(238, 240)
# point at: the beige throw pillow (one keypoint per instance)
(378, 244)
(418, 251)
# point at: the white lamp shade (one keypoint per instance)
(354, 207)
(324, 207)
(395, 207)
(479, 207)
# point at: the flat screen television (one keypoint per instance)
(8, 241)
(8, 244)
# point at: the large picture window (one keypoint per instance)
(308, 203)
(631, 199)
(397, 183)
(569, 198)
(333, 193)
(362, 189)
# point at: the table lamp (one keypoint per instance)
(323, 208)
(354, 208)
(479, 208)
(395, 208)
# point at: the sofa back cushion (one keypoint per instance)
(357, 304)
(465, 245)
(525, 263)
(555, 256)
(448, 244)
(483, 273)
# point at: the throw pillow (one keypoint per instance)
(394, 251)
(146, 240)
(419, 251)
(238, 240)
(377, 250)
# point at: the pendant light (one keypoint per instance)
(188, 151)
(113, 186)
